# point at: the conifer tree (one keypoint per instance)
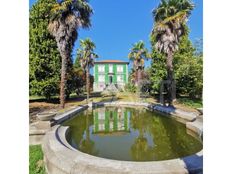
(44, 58)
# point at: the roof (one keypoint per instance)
(112, 61)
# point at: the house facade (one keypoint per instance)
(108, 72)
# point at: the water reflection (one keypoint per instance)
(130, 134)
(110, 120)
(86, 144)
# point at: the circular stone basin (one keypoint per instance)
(130, 134)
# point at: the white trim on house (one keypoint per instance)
(119, 68)
(111, 68)
(101, 68)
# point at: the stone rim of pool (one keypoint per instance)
(61, 157)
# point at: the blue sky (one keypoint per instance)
(116, 25)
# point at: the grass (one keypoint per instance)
(35, 97)
(43, 105)
(36, 165)
(193, 103)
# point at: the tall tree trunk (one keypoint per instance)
(87, 84)
(139, 79)
(139, 76)
(170, 73)
(63, 80)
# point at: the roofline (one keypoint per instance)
(102, 62)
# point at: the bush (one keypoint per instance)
(129, 87)
(188, 70)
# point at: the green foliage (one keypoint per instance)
(44, 58)
(158, 70)
(86, 54)
(169, 8)
(79, 77)
(130, 87)
(36, 165)
(138, 54)
(188, 69)
(193, 103)
(71, 79)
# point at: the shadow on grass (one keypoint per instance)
(56, 100)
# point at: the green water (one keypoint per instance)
(130, 134)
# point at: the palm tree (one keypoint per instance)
(138, 54)
(67, 17)
(86, 57)
(170, 24)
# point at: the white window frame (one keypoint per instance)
(120, 78)
(110, 68)
(101, 68)
(119, 68)
(101, 78)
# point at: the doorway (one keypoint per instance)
(111, 79)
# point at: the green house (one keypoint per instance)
(108, 72)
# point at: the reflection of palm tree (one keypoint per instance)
(87, 145)
(140, 150)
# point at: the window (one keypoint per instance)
(119, 68)
(101, 78)
(119, 78)
(110, 68)
(101, 68)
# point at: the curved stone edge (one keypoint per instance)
(188, 116)
(60, 159)
(196, 127)
(79, 162)
(58, 119)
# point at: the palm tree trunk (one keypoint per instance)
(87, 84)
(139, 76)
(139, 80)
(170, 73)
(63, 80)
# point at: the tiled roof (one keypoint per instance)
(111, 61)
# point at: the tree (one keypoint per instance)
(67, 17)
(158, 70)
(188, 67)
(44, 58)
(79, 78)
(170, 20)
(86, 56)
(138, 54)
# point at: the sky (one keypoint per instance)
(117, 24)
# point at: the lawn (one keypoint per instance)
(36, 165)
(39, 104)
(193, 103)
